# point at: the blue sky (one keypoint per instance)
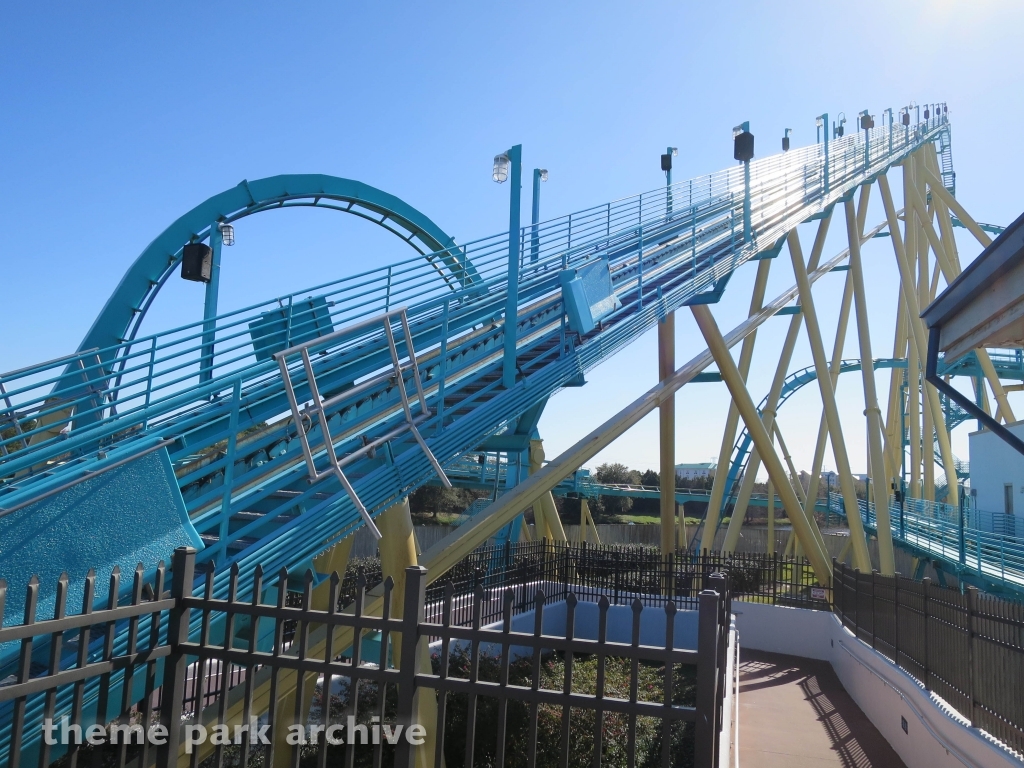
(116, 118)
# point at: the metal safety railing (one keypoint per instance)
(149, 379)
(951, 535)
(967, 648)
(319, 409)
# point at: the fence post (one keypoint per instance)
(856, 602)
(719, 583)
(874, 613)
(670, 580)
(896, 619)
(618, 572)
(926, 582)
(837, 592)
(707, 679)
(566, 564)
(176, 664)
(408, 704)
(972, 652)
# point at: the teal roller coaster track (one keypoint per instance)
(268, 433)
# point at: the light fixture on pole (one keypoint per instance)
(742, 143)
(743, 150)
(785, 139)
(227, 233)
(666, 166)
(837, 128)
(666, 163)
(501, 166)
(506, 164)
(867, 122)
(821, 127)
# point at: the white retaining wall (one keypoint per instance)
(936, 735)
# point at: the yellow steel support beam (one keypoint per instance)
(440, 558)
(837, 355)
(797, 486)
(444, 555)
(334, 560)
(886, 557)
(732, 419)
(922, 219)
(862, 208)
(748, 412)
(914, 419)
(950, 269)
(845, 551)
(552, 529)
(951, 202)
(835, 427)
(894, 418)
(732, 534)
(834, 367)
(667, 433)
(953, 257)
(917, 334)
(915, 433)
(771, 518)
(587, 523)
(917, 197)
(398, 551)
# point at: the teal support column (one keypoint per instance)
(508, 369)
(210, 306)
(539, 175)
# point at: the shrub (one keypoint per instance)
(550, 718)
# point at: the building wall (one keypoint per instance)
(993, 465)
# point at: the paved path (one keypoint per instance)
(794, 713)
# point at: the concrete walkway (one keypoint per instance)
(795, 713)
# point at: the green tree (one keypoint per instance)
(614, 474)
(433, 500)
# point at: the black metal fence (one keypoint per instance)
(193, 661)
(968, 648)
(623, 573)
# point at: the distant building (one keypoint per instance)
(695, 471)
(997, 482)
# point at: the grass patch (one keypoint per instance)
(649, 520)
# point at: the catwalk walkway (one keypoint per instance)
(795, 713)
